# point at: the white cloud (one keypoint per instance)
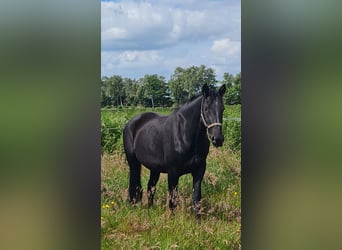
(140, 37)
(225, 47)
(226, 56)
(114, 33)
(142, 58)
(140, 25)
(160, 25)
(124, 62)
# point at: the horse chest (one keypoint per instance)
(187, 157)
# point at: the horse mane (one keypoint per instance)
(193, 98)
(189, 100)
(212, 91)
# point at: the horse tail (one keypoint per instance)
(135, 189)
(128, 140)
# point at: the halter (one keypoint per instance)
(208, 126)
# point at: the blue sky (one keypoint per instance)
(155, 37)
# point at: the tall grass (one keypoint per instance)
(139, 227)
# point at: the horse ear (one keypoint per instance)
(222, 90)
(205, 90)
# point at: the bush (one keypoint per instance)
(233, 135)
(112, 124)
(232, 128)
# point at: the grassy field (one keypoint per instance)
(140, 227)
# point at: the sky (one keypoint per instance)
(155, 37)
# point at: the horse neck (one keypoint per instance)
(192, 112)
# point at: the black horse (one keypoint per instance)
(176, 144)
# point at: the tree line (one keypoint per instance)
(155, 91)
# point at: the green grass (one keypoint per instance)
(139, 227)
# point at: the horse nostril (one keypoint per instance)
(217, 140)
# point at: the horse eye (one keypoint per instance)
(205, 109)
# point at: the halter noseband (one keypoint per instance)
(208, 126)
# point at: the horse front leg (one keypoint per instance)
(173, 196)
(196, 195)
(151, 186)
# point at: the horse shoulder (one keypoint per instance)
(178, 134)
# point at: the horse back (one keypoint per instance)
(138, 122)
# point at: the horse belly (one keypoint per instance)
(149, 152)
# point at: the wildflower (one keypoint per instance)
(105, 206)
(112, 202)
(235, 193)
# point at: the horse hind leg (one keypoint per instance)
(135, 190)
(151, 186)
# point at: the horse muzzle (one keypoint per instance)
(217, 140)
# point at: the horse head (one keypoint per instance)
(212, 113)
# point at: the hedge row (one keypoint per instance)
(114, 120)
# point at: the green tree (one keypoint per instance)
(115, 90)
(233, 93)
(176, 85)
(154, 89)
(185, 83)
(131, 91)
(105, 100)
(228, 79)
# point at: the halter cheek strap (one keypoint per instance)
(208, 126)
